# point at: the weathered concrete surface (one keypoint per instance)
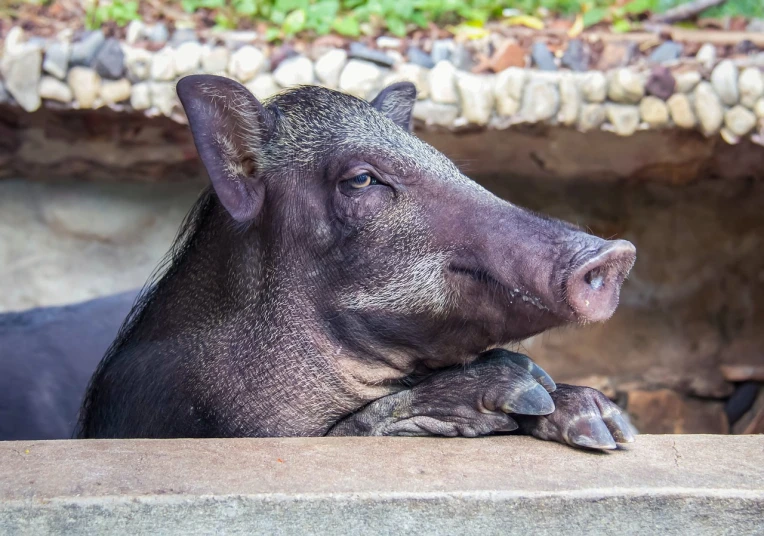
(503, 485)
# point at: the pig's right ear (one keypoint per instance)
(396, 101)
(229, 126)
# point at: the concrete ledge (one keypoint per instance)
(509, 485)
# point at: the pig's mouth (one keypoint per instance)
(589, 291)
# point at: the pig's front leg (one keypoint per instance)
(465, 401)
(583, 417)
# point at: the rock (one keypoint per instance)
(746, 46)
(234, 39)
(739, 120)
(163, 97)
(751, 85)
(263, 86)
(329, 67)
(540, 102)
(441, 50)
(54, 89)
(706, 55)
(570, 101)
(21, 71)
(724, 81)
(660, 83)
(360, 78)
(418, 57)
(476, 94)
(758, 109)
(188, 56)
(433, 113)
(387, 41)
(157, 33)
(294, 71)
(509, 54)
(113, 92)
(576, 56)
(686, 82)
(708, 108)
(85, 84)
(680, 109)
(56, 60)
(163, 65)
(181, 36)
(245, 63)
(443, 83)
(666, 52)
(617, 55)
(594, 87)
(542, 57)
(462, 58)
(666, 412)
(756, 25)
(591, 117)
(134, 32)
(138, 62)
(416, 74)
(508, 90)
(109, 61)
(140, 96)
(85, 50)
(624, 118)
(743, 373)
(14, 41)
(362, 52)
(728, 136)
(626, 86)
(4, 96)
(215, 59)
(654, 112)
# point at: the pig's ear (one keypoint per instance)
(396, 101)
(229, 126)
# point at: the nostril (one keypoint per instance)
(595, 278)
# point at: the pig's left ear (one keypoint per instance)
(396, 101)
(230, 127)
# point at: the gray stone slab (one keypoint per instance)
(503, 485)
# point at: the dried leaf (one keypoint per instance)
(525, 20)
(578, 26)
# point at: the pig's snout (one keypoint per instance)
(593, 288)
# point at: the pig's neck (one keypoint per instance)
(263, 345)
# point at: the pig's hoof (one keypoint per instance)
(583, 417)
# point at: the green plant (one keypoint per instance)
(119, 11)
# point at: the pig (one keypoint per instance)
(47, 356)
(339, 276)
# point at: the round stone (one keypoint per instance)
(476, 94)
(360, 78)
(263, 86)
(187, 58)
(246, 63)
(654, 111)
(443, 83)
(686, 82)
(21, 70)
(85, 84)
(163, 65)
(751, 86)
(54, 89)
(626, 86)
(708, 108)
(724, 81)
(114, 92)
(758, 108)
(329, 67)
(570, 101)
(594, 87)
(140, 96)
(739, 120)
(215, 59)
(433, 113)
(541, 101)
(591, 117)
(706, 55)
(624, 118)
(508, 90)
(294, 71)
(680, 109)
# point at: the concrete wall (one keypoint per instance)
(699, 485)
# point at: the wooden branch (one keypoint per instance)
(685, 11)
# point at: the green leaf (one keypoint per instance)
(396, 26)
(621, 26)
(639, 6)
(271, 34)
(294, 23)
(347, 25)
(593, 16)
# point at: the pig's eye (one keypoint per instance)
(362, 181)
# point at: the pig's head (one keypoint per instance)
(396, 251)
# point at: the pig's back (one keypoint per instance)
(47, 356)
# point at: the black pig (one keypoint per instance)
(343, 277)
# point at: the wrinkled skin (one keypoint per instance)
(338, 260)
